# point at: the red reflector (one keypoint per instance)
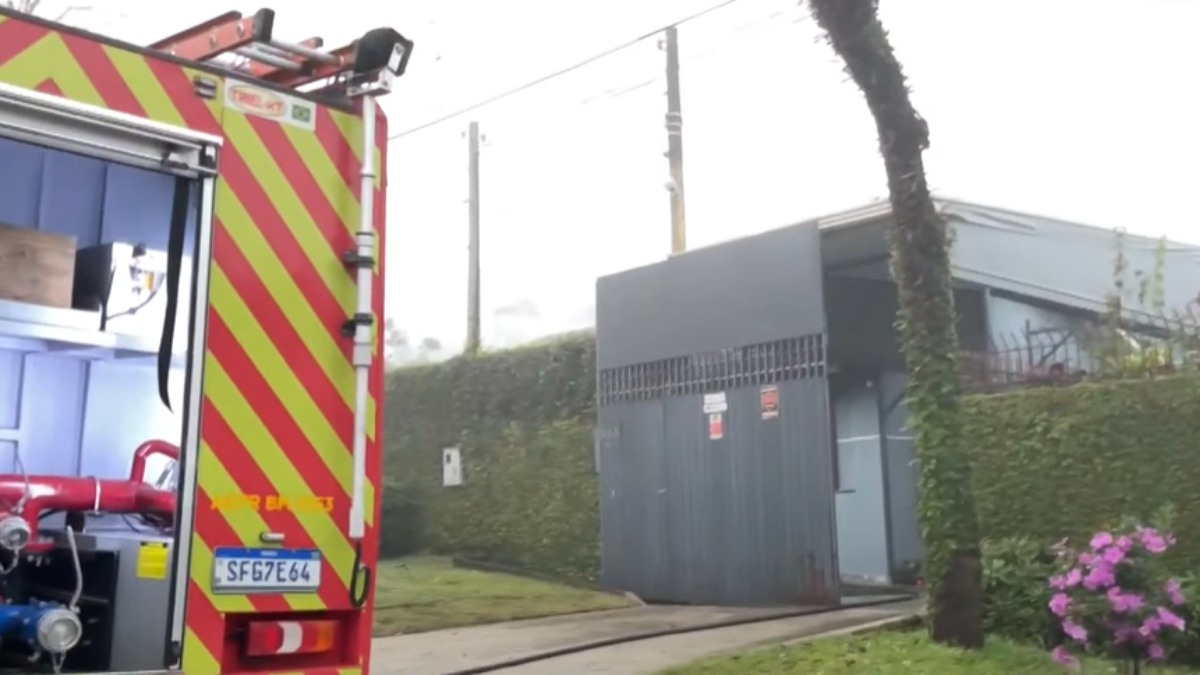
(272, 638)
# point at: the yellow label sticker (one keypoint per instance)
(293, 503)
(153, 560)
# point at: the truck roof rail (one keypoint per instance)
(286, 64)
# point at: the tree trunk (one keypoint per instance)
(921, 267)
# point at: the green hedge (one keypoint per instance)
(1058, 462)
(523, 421)
(1047, 463)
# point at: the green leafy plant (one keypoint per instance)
(1016, 596)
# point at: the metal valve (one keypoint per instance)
(14, 533)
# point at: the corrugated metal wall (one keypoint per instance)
(740, 513)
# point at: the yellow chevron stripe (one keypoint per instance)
(282, 379)
(350, 127)
(49, 58)
(326, 174)
(344, 201)
(247, 524)
(287, 203)
(254, 247)
(283, 474)
(197, 660)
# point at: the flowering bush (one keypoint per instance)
(1114, 598)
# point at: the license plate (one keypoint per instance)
(260, 570)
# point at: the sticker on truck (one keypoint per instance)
(257, 570)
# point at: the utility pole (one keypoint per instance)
(473, 308)
(675, 143)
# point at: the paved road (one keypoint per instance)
(442, 652)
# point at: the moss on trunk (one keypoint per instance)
(921, 267)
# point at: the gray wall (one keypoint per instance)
(747, 291)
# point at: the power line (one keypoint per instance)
(558, 73)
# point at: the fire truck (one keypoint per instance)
(191, 239)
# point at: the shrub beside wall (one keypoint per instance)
(1058, 462)
(522, 420)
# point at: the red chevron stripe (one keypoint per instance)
(251, 480)
(329, 222)
(283, 241)
(98, 67)
(177, 84)
(215, 531)
(266, 404)
(282, 334)
(205, 621)
(342, 154)
(16, 36)
(49, 87)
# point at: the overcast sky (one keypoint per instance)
(1081, 109)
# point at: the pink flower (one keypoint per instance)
(1155, 652)
(1101, 540)
(1123, 603)
(1170, 619)
(1152, 541)
(1174, 592)
(1059, 604)
(1074, 578)
(1086, 559)
(1150, 626)
(1064, 657)
(1113, 555)
(1125, 543)
(1100, 576)
(1074, 631)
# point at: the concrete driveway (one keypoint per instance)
(450, 651)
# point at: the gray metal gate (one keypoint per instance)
(713, 426)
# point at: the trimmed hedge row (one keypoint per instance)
(522, 420)
(1058, 462)
(1047, 463)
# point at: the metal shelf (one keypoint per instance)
(72, 333)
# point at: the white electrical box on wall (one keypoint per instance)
(452, 469)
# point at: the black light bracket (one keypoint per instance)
(352, 324)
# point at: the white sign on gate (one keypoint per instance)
(715, 403)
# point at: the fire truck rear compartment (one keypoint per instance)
(86, 442)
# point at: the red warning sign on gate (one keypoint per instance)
(716, 426)
(769, 401)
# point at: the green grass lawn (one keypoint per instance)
(891, 653)
(427, 593)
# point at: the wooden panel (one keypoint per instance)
(36, 267)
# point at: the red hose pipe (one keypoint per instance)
(63, 493)
(137, 472)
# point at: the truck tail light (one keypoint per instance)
(280, 638)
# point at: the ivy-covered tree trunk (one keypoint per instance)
(921, 267)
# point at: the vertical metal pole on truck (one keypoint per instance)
(380, 57)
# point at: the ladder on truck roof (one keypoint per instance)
(290, 64)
